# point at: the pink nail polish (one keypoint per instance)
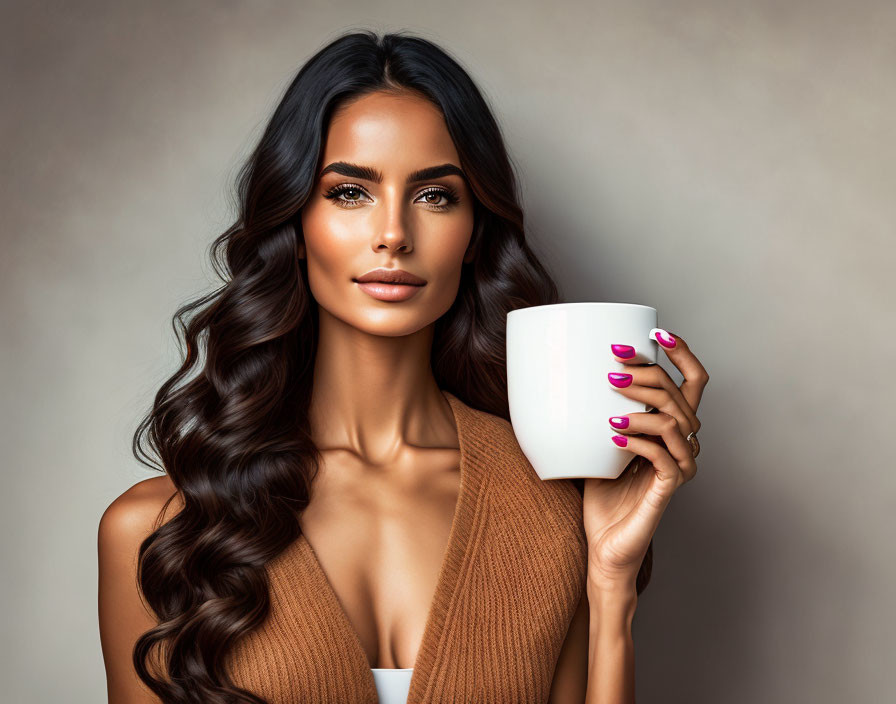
(620, 440)
(620, 422)
(624, 351)
(665, 339)
(619, 380)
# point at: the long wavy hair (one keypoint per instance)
(230, 427)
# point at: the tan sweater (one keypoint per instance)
(509, 584)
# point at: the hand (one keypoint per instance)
(622, 514)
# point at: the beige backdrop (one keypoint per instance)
(731, 163)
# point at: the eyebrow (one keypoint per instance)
(368, 173)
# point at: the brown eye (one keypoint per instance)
(337, 195)
(448, 194)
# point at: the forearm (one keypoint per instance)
(611, 649)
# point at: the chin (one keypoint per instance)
(390, 324)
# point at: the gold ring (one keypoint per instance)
(695, 444)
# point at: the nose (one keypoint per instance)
(393, 234)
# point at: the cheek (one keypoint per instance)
(448, 242)
(328, 250)
(444, 259)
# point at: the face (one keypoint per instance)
(387, 214)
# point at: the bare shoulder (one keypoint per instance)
(127, 522)
(136, 510)
(123, 614)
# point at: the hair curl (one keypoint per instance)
(234, 437)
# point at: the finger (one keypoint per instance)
(695, 376)
(629, 355)
(654, 375)
(657, 390)
(665, 427)
(668, 473)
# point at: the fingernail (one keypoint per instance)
(624, 351)
(619, 380)
(664, 338)
(620, 440)
(620, 422)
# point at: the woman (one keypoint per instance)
(343, 500)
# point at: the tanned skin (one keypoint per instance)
(382, 504)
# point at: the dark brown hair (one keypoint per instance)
(230, 426)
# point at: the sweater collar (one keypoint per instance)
(473, 441)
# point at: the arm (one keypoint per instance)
(611, 650)
(123, 616)
(621, 515)
(596, 663)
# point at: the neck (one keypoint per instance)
(376, 394)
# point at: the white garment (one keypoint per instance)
(392, 684)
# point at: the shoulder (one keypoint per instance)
(133, 515)
(123, 615)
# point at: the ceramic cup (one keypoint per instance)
(558, 358)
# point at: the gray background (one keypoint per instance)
(731, 163)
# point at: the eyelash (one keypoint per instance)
(336, 191)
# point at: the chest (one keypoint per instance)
(380, 536)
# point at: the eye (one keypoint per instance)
(336, 194)
(447, 193)
(348, 195)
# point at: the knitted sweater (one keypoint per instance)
(510, 581)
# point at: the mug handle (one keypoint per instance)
(654, 331)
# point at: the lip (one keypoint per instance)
(388, 292)
(390, 284)
(391, 276)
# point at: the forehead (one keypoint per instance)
(394, 133)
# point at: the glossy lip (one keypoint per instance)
(388, 292)
(391, 276)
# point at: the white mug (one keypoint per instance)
(558, 358)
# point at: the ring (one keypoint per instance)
(695, 444)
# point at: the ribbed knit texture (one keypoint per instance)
(510, 581)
